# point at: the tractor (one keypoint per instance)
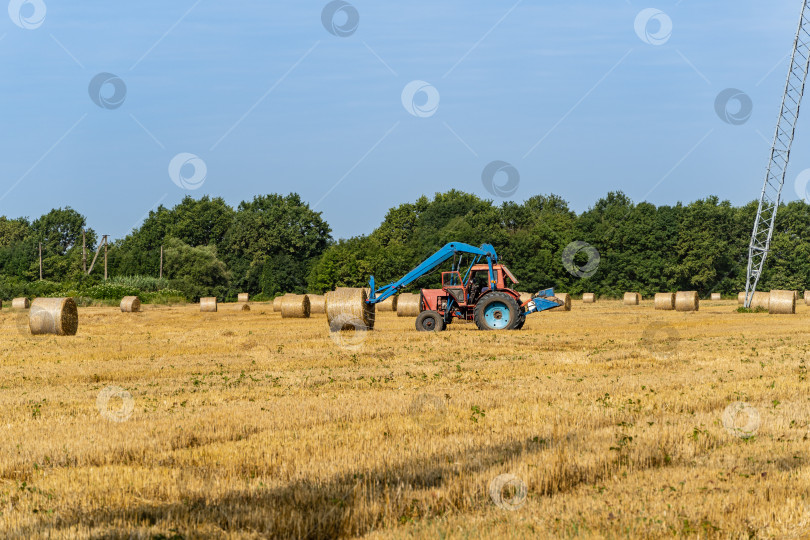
(480, 293)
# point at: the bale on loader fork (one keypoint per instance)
(349, 309)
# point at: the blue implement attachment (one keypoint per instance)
(542, 301)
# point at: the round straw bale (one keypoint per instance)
(409, 305)
(665, 301)
(687, 301)
(525, 297)
(57, 316)
(130, 304)
(807, 298)
(20, 303)
(295, 306)
(277, 303)
(389, 304)
(716, 296)
(347, 309)
(589, 298)
(782, 303)
(243, 297)
(566, 299)
(631, 298)
(741, 298)
(317, 303)
(761, 300)
(208, 304)
(245, 307)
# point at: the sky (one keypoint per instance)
(113, 108)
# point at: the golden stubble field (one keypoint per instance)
(177, 424)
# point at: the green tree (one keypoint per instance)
(275, 233)
(195, 270)
(60, 232)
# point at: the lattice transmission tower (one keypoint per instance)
(780, 155)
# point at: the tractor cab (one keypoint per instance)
(459, 297)
(477, 283)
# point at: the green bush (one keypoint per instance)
(44, 288)
(144, 284)
(11, 287)
(164, 296)
(108, 291)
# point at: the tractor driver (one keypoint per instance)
(480, 285)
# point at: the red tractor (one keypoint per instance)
(480, 294)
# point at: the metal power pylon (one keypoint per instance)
(780, 155)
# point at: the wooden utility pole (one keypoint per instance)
(84, 253)
(98, 250)
(105, 257)
(40, 261)
(161, 262)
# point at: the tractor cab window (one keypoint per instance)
(451, 279)
(478, 282)
(481, 279)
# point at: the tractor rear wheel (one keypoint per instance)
(429, 321)
(498, 311)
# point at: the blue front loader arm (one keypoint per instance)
(431, 263)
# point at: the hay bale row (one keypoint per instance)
(760, 300)
(317, 304)
(409, 305)
(566, 300)
(347, 309)
(390, 304)
(295, 306)
(19, 303)
(687, 301)
(665, 301)
(632, 298)
(208, 304)
(130, 304)
(782, 302)
(589, 298)
(57, 316)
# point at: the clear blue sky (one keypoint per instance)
(272, 102)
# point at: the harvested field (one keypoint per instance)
(171, 423)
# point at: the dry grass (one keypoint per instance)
(244, 425)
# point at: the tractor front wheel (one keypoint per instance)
(497, 311)
(430, 321)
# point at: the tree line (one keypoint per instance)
(276, 244)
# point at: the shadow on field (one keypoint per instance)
(304, 509)
(346, 505)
